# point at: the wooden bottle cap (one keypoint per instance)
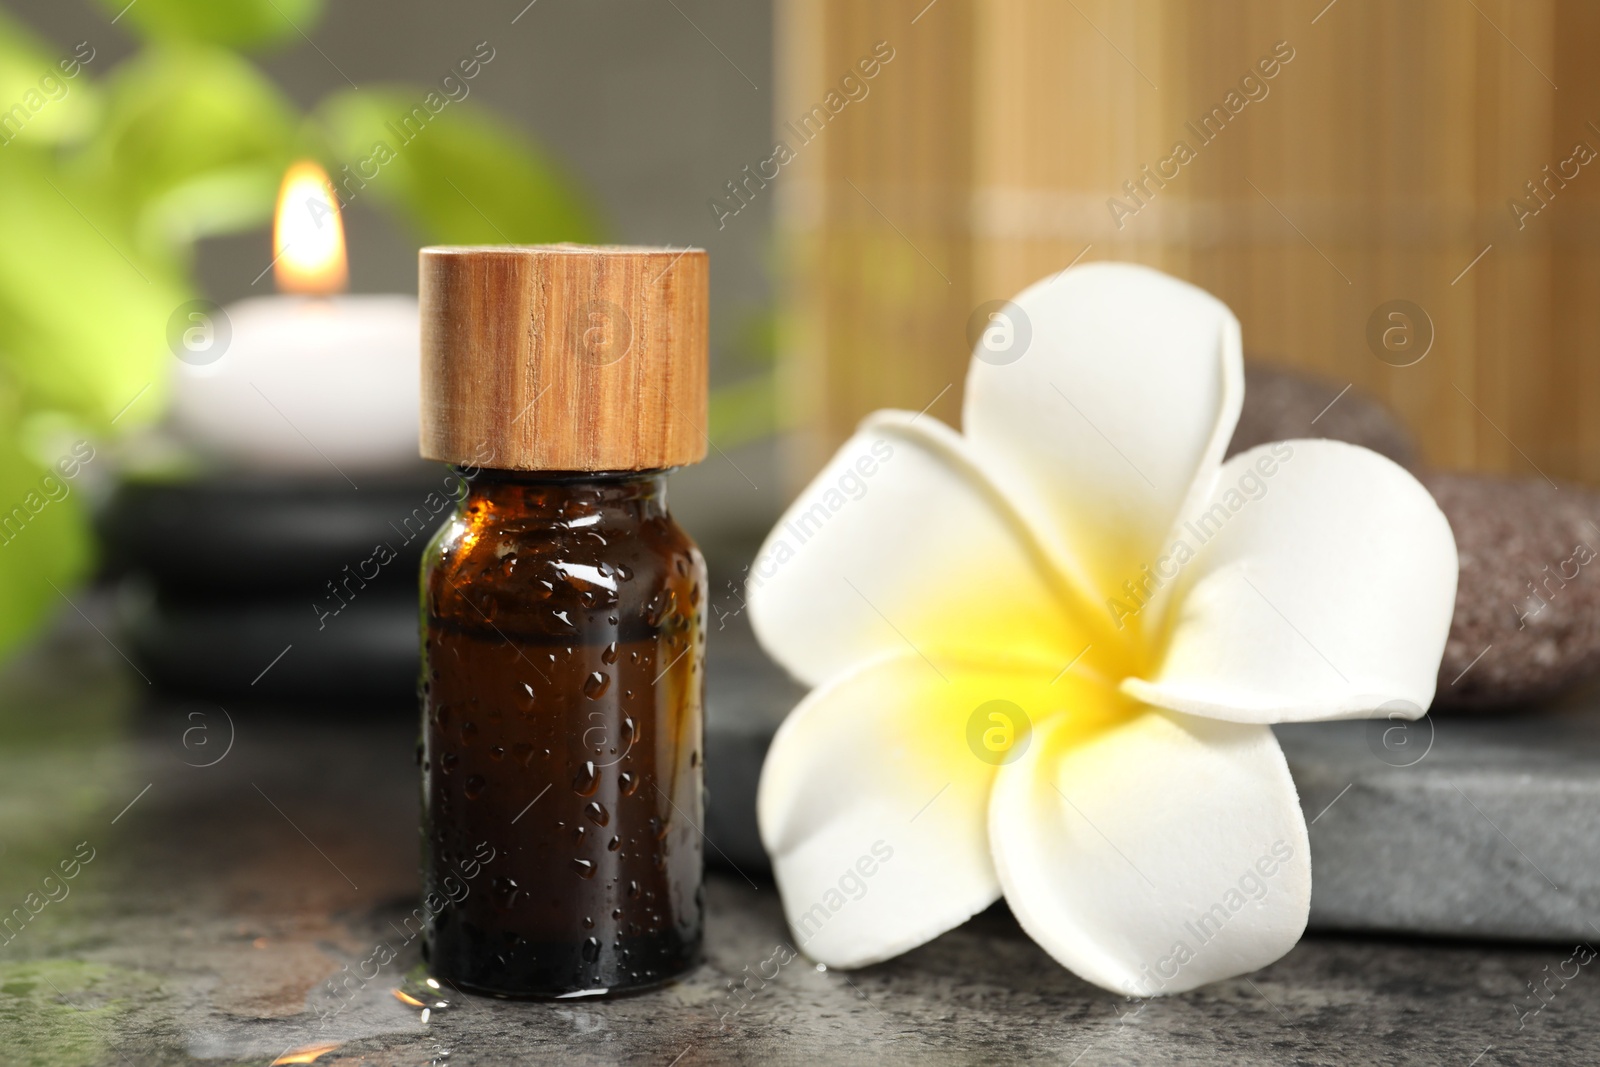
(564, 357)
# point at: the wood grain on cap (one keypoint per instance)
(564, 357)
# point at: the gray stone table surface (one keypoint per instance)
(212, 903)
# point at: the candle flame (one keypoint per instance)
(308, 234)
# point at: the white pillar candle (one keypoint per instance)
(309, 383)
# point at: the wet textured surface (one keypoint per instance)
(211, 915)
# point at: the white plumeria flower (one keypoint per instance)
(1082, 553)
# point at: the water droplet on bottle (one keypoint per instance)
(587, 781)
(588, 922)
(595, 686)
(630, 731)
(496, 752)
(608, 655)
(663, 604)
(448, 762)
(633, 890)
(474, 787)
(624, 572)
(585, 868)
(591, 949)
(597, 813)
(504, 892)
(629, 783)
(614, 844)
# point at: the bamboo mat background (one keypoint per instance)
(1380, 165)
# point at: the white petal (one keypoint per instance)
(901, 545)
(1113, 417)
(873, 805)
(1154, 856)
(1328, 597)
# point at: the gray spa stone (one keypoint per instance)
(1461, 826)
(1527, 619)
(1281, 404)
(1396, 842)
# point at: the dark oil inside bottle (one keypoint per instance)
(561, 689)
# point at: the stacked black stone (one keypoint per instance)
(281, 587)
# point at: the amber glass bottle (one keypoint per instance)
(563, 623)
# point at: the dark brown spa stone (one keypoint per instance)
(1281, 405)
(1529, 591)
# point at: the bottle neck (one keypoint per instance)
(564, 495)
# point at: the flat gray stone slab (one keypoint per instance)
(1493, 831)
(1466, 826)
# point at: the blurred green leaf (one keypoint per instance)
(743, 412)
(106, 185)
(458, 173)
(83, 316)
(239, 23)
(755, 339)
(195, 141)
(39, 101)
(43, 539)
